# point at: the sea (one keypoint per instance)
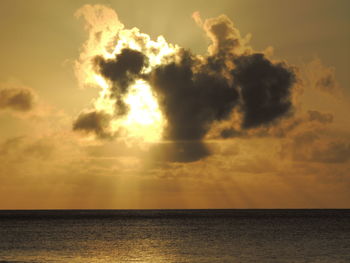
(181, 236)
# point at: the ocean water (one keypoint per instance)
(181, 236)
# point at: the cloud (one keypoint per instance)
(314, 146)
(226, 38)
(93, 122)
(332, 152)
(315, 115)
(17, 98)
(231, 91)
(123, 68)
(194, 92)
(102, 25)
(298, 122)
(322, 78)
(265, 87)
(192, 99)
(122, 71)
(18, 148)
(10, 144)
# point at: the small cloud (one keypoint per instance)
(196, 16)
(320, 117)
(10, 144)
(322, 78)
(332, 152)
(93, 122)
(25, 147)
(16, 97)
(310, 146)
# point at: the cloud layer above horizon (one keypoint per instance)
(193, 91)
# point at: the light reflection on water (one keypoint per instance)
(209, 236)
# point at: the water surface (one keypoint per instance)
(181, 236)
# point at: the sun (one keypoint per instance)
(144, 120)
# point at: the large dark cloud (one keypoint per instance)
(194, 92)
(122, 71)
(193, 96)
(191, 100)
(16, 98)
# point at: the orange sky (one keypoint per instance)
(299, 160)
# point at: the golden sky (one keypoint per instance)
(174, 104)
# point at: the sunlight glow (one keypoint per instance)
(144, 120)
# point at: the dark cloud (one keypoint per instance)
(265, 87)
(123, 68)
(93, 122)
(122, 71)
(16, 98)
(194, 92)
(191, 100)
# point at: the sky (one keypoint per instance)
(174, 104)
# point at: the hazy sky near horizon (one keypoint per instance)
(299, 158)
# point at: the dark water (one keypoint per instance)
(153, 236)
